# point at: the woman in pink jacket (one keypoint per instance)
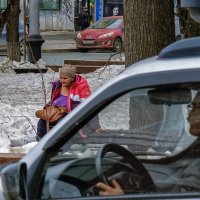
(70, 90)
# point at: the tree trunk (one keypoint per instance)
(12, 23)
(149, 26)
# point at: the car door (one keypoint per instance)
(136, 122)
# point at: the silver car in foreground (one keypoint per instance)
(148, 122)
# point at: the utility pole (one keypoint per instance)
(34, 39)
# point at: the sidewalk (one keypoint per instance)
(59, 41)
(55, 41)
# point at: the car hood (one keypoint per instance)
(94, 33)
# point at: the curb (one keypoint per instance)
(10, 157)
(59, 50)
(63, 35)
(94, 63)
(3, 52)
(79, 69)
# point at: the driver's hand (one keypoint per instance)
(115, 189)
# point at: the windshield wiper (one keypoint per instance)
(63, 157)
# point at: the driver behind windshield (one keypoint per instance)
(105, 189)
(188, 174)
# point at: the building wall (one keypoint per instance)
(57, 20)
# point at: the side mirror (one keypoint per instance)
(123, 28)
(194, 8)
(13, 179)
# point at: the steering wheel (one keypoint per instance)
(137, 180)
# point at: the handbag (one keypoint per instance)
(51, 113)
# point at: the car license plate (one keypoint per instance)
(88, 41)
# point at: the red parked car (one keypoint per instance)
(107, 33)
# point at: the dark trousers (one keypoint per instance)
(42, 127)
(90, 127)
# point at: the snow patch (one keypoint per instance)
(22, 94)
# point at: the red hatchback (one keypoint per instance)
(107, 33)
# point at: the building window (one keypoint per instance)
(50, 5)
(3, 4)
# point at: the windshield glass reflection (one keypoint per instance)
(151, 127)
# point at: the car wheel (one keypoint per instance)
(21, 47)
(117, 45)
(83, 50)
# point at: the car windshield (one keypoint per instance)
(143, 123)
(154, 124)
(106, 23)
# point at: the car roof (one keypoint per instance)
(184, 54)
(154, 64)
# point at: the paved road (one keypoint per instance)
(61, 46)
(58, 58)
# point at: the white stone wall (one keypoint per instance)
(57, 20)
(54, 20)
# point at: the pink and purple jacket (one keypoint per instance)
(78, 91)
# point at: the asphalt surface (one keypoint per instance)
(59, 41)
(61, 45)
(55, 41)
(57, 58)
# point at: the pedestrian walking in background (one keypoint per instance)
(84, 19)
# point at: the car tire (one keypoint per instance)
(117, 45)
(83, 50)
(21, 47)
